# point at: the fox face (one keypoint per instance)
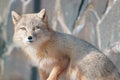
(30, 28)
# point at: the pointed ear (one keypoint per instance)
(15, 17)
(43, 15)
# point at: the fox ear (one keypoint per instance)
(15, 17)
(42, 14)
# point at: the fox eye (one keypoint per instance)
(33, 29)
(22, 28)
(37, 27)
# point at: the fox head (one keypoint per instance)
(30, 28)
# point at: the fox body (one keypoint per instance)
(58, 53)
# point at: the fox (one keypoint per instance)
(59, 54)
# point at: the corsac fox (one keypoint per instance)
(58, 53)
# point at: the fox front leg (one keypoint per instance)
(58, 69)
(43, 75)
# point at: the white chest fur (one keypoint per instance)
(32, 52)
(45, 63)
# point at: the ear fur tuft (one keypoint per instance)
(42, 14)
(15, 17)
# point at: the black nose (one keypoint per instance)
(30, 38)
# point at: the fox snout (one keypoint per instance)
(30, 39)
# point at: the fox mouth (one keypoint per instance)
(30, 41)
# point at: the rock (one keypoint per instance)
(100, 6)
(2, 41)
(1, 69)
(88, 30)
(110, 26)
(113, 53)
(70, 10)
(15, 65)
(3, 5)
(2, 46)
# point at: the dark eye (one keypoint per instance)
(37, 27)
(23, 28)
(33, 29)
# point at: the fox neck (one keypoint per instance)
(31, 52)
(36, 52)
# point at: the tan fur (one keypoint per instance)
(57, 54)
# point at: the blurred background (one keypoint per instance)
(96, 21)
